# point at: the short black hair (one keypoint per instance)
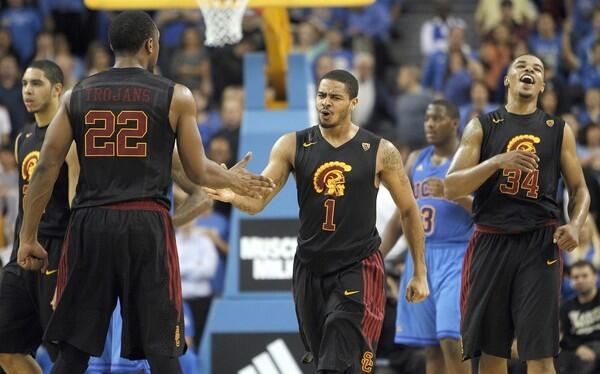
(129, 30)
(344, 77)
(51, 70)
(451, 108)
(583, 264)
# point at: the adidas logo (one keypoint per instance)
(276, 360)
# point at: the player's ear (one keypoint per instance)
(506, 81)
(149, 45)
(353, 103)
(57, 88)
(543, 87)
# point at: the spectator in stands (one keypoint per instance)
(590, 73)
(309, 39)
(591, 112)
(581, 17)
(5, 126)
(208, 119)
(24, 22)
(190, 63)
(580, 323)
(491, 13)
(97, 58)
(434, 32)
(372, 21)
(375, 112)
(6, 43)
(323, 64)
(411, 105)
(546, 42)
(44, 46)
(457, 83)
(10, 93)
(436, 65)
(198, 260)
(588, 249)
(9, 196)
(341, 56)
(496, 54)
(479, 104)
(549, 101)
(584, 47)
(231, 120)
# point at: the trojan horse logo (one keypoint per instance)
(523, 143)
(329, 178)
(29, 163)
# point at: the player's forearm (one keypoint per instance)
(249, 205)
(579, 204)
(413, 229)
(194, 205)
(390, 235)
(216, 176)
(38, 194)
(461, 183)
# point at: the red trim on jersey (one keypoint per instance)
(63, 266)
(373, 297)
(170, 243)
(494, 230)
(465, 282)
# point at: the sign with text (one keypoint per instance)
(267, 249)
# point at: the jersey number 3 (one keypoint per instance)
(129, 142)
(513, 182)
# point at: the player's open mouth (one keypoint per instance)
(527, 79)
(326, 114)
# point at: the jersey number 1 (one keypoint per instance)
(328, 225)
(129, 141)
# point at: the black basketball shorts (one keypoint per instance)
(25, 298)
(124, 251)
(341, 314)
(511, 289)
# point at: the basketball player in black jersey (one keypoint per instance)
(25, 295)
(120, 240)
(512, 159)
(338, 270)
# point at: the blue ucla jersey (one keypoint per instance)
(443, 221)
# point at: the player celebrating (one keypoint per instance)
(512, 159)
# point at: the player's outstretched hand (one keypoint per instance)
(417, 289)
(32, 256)
(522, 160)
(566, 237)
(249, 184)
(224, 194)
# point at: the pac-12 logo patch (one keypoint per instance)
(29, 163)
(367, 362)
(329, 178)
(523, 143)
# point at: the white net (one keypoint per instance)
(223, 21)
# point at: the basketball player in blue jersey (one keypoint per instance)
(338, 270)
(435, 323)
(512, 159)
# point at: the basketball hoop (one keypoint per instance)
(223, 20)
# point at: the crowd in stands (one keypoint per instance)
(393, 97)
